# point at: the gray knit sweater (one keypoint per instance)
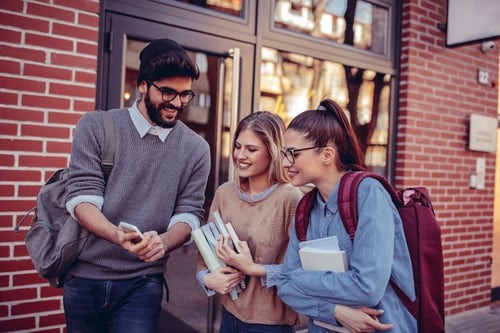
(151, 181)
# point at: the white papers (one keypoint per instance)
(323, 254)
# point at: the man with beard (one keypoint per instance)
(157, 184)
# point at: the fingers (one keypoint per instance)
(127, 236)
(223, 280)
(151, 248)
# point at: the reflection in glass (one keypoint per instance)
(292, 83)
(352, 22)
(231, 7)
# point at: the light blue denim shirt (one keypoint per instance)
(378, 252)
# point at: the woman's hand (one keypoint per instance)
(242, 259)
(360, 320)
(223, 280)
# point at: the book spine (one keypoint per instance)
(232, 233)
(220, 224)
(206, 252)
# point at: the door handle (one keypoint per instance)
(235, 94)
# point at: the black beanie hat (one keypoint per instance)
(164, 57)
(159, 47)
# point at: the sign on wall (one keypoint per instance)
(483, 133)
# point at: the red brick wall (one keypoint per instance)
(48, 61)
(438, 93)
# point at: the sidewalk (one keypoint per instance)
(484, 320)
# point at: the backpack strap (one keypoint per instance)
(348, 209)
(108, 154)
(302, 214)
(348, 197)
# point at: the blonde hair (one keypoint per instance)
(270, 128)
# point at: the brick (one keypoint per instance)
(49, 42)
(4, 253)
(86, 48)
(8, 129)
(45, 131)
(4, 282)
(20, 145)
(84, 106)
(12, 5)
(49, 102)
(85, 77)
(7, 190)
(48, 291)
(58, 147)
(37, 307)
(87, 19)
(48, 72)
(52, 319)
(10, 67)
(48, 11)
(22, 84)
(21, 250)
(18, 176)
(69, 118)
(9, 97)
(91, 6)
(25, 279)
(17, 324)
(73, 61)
(18, 114)
(11, 295)
(71, 89)
(42, 161)
(74, 31)
(30, 191)
(24, 22)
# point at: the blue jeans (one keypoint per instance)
(113, 306)
(231, 324)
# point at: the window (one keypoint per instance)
(292, 83)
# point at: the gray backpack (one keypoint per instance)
(55, 239)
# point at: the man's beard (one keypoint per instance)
(154, 112)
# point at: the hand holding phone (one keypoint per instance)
(127, 227)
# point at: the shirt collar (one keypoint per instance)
(259, 196)
(144, 127)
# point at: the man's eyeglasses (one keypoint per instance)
(289, 153)
(169, 94)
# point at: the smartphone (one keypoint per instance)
(131, 228)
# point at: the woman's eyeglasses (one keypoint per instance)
(169, 94)
(289, 153)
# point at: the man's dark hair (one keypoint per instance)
(164, 58)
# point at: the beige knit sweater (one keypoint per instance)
(265, 224)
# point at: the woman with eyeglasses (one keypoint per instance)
(260, 205)
(321, 148)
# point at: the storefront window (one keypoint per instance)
(292, 83)
(352, 22)
(231, 7)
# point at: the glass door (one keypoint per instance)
(221, 99)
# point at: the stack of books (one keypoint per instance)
(324, 254)
(206, 238)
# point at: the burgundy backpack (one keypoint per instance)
(423, 237)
